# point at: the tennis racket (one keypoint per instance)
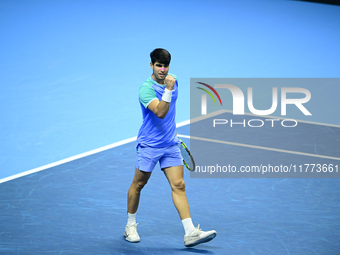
(188, 160)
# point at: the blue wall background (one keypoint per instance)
(70, 70)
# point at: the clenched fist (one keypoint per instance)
(170, 82)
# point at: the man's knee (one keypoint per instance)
(139, 185)
(178, 185)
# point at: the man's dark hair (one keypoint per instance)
(161, 56)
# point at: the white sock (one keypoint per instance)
(131, 218)
(188, 226)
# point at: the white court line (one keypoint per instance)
(63, 161)
(258, 147)
(82, 155)
(282, 118)
(187, 122)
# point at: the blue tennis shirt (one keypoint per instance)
(156, 132)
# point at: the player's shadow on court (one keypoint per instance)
(157, 250)
(195, 250)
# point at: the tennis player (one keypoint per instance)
(157, 142)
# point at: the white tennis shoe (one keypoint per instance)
(131, 233)
(198, 236)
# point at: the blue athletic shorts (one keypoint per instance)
(147, 157)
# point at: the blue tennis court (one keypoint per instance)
(69, 114)
(79, 207)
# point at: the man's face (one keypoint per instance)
(160, 71)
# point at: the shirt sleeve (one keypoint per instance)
(146, 95)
